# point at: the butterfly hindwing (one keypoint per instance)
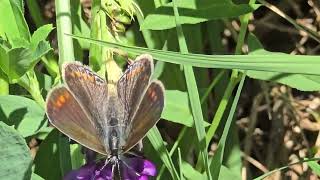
(67, 115)
(147, 114)
(109, 118)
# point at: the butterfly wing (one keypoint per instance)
(132, 85)
(147, 115)
(67, 115)
(91, 92)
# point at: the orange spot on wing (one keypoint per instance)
(66, 94)
(134, 72)
(72, 74)
(152, 94)
(77, 73)
(84, 76)
(62, 99)
(58, 104)
(91, 78)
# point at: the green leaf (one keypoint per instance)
(176, 108)
(47, 161)
(19, 42)
(15, 157)
(216, 165)
(226, 173)
(64, 154)
(193, 95)
(193, 12)
(40, 34)
(45, 82)
(314, 166)
(285, 167)
(16, 62)
(35, 11)
(232, 157)
(80, 27)
(12, 22)
(299, 81)
(77, 157)
(273, 62)
(35, 176)
(157, 142)
(24, 114)
(190, 173)
(100, 31)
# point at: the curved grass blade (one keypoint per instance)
(273, 62)
(157, 142)
(218, 157)
(285, 167)
(193, 95)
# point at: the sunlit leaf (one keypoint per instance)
(15, 156)
(22, 113)
(16, 62)
(176, 108)
(193, 12)
(299, 81)
(12, 22)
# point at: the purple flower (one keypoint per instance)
(133, 168)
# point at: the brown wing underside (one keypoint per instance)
(147, 115)
(90, 91)
(66, 114)
(132, 85)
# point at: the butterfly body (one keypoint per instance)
(112, 131)
(107, 117)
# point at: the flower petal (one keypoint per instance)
(149, 168)
(143, 177)
(84, 173)
(137, 168)
(91, 171)
(133, 168)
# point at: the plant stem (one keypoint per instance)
(64, 26)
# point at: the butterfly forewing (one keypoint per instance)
(132, 85)
(91, 92)
(66, 114)
(147, 114)
(109, 118)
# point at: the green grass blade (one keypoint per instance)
(221, 109)
(285, 167)
(218, 157)
(35, 12)
(273, 62)
(212, 84)
(154, 135)
(157, 142)
(193, 95)
(174, 147)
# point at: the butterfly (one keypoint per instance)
(107, 117)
